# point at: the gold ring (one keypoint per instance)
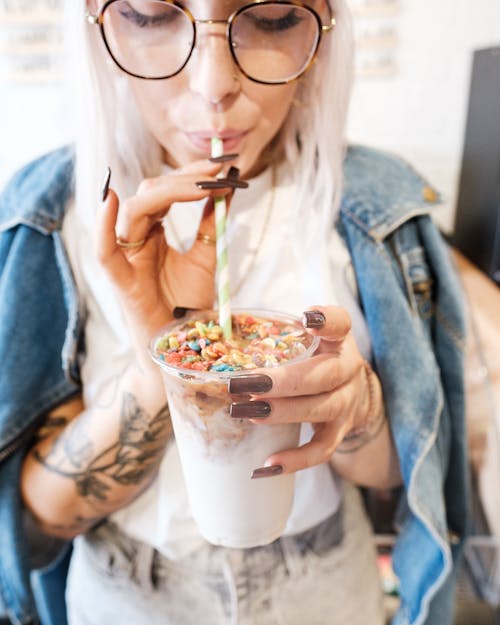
(206, 239)
(129, 244)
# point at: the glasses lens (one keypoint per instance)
(148, 38)
(275, 42)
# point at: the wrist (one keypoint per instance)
(363, 433)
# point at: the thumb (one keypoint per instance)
(329, 322)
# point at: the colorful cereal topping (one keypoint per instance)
(256, 342)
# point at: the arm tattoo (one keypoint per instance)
(51, 425)
(79, 524)
(128, 461)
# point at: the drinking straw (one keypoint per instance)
(222, 257)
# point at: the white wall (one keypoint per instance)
(33, 120)
(33, 115)
(420, 112)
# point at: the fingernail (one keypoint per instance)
(223, 158)
(250, 383)
(105, 187)
(275, 469)
(233, 173)
(180, 311)
(313, 319)
(250, 410)
(221, 183)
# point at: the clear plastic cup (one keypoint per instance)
(219, 453)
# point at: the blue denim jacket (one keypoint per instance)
(411, 300)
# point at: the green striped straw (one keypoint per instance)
(222, 258)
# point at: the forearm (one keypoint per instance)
(373, 464)
(102, 458)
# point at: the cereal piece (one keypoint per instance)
(173, 342)
(268, 342)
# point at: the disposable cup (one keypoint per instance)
(219, 453)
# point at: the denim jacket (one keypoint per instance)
(412, 304)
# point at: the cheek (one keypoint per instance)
(276, 107)
(151, 98)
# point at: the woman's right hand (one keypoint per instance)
(153, 278)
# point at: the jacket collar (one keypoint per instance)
(37, 195)
(381, 191)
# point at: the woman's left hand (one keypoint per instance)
(330, 390)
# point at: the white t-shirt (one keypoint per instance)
(265, 273)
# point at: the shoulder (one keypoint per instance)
(37, 194)
(382, 191)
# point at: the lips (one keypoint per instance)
(231, 139)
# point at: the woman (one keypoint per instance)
(154, 82)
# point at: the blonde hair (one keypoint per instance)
(110, 130)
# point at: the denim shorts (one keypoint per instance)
(325, 576)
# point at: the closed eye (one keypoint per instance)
(270, 24)
(142, 20)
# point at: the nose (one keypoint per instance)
(213, 72)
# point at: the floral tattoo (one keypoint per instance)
(128, 461)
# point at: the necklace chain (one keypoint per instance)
(255, 251)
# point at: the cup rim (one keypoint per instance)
(226, 375)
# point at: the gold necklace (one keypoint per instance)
(255, 251)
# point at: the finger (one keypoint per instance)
(138, 215)
(330, 406)
(207, 222)
(199, 169)
(319, 374)
(109, 253)
(328, 322)
(327, 437)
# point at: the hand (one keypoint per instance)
(331, 391)
(153, 278)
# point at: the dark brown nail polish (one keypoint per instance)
(223, 158)
(105, 186)
(221, 183)
(236, 183)
(233, 173)
(313, 319)
(180, 311)
(250, 383)
(276, 469)
(250, 410)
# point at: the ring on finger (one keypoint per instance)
(206, 239)
(129, 244)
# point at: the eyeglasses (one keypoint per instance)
(271, 42)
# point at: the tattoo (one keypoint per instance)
(51, 425)
(127, 462)
(78, 525)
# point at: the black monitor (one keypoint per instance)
(477, 222)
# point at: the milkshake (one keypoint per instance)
(218, 453)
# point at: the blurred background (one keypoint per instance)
(428, 89)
